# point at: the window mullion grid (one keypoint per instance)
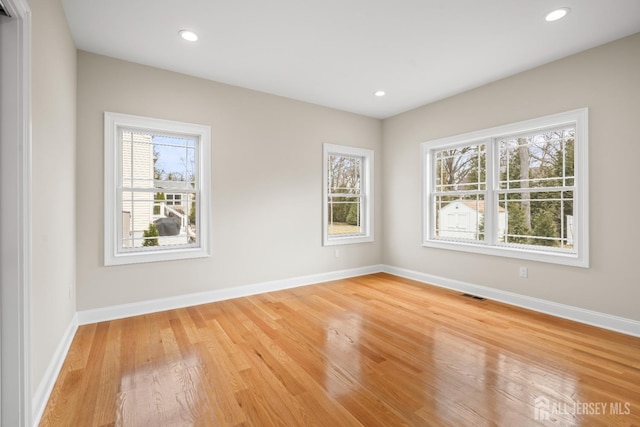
(563, 220)
(119, 167)
(361, 201)
(535, 190)
(161, 190)
(198, 157)
(432, 226)
(491, 208)
(362, 219)
(363, 190)
(564, 183)
(460, 194)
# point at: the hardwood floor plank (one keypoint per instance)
(85, 413)
(375, 350)
(78, 355)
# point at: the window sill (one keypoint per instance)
(562, 258)
(155, 256)
(335, 241)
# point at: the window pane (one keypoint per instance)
(163, 217)
(344, 215)
(344, 174)
(150, 160)
(461, 169)
(174, 162)
(345, 212)
(137, 160)
(460, 219)
(149, 221)
(538, 219)
(543, 159)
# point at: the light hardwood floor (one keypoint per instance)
(375, 350)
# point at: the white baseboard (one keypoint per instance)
(602, 320)
(589, 317)
(42, 393)
(180, 301)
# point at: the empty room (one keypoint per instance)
(347, 213)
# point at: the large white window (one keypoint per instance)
(156, 189)
(347, 195)
(519, 190)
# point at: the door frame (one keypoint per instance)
(15, 215)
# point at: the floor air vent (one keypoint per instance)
(474, 297)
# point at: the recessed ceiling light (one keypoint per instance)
(379, 93)
(189, 36)
(560, 13)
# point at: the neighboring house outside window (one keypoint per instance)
(518, 190)
(347, 195)
(462, 219)
(174, 199)
(156, 189)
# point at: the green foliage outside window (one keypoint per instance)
(151, 236)
(192, 213)
(156, 208)
(353, 216)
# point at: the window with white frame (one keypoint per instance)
(347, 195)
(156, 189)
(522, 190)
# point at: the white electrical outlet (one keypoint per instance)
(337, 253)
(524, 272)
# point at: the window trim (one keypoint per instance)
(366, 185)
(580, 256)
(113, 219)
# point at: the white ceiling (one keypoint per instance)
(338, 52)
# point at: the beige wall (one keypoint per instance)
(53, 182)
(605, 79)
(266, 182)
